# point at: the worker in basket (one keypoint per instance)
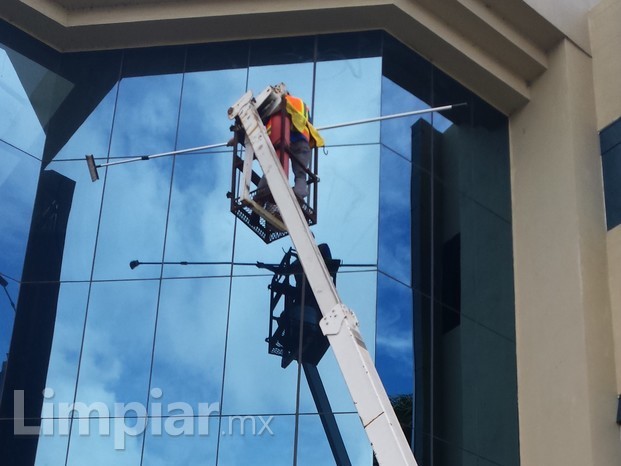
(303, 137)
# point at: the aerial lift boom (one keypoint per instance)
(339, 323)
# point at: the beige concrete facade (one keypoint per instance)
(534, 61)
(605, 29)
(564, 343)
(496, 49)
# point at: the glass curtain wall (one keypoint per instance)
(166, 363)
(23, 124)
(445, 282)
(21, 144)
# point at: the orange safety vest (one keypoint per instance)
(299, 114)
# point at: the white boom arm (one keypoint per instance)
(339, 323)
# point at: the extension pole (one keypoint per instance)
(135, 263)
(395, 115)
(92, 167)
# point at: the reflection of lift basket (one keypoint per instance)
(252, 205)
(284, 328)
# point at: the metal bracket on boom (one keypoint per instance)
(333, 321)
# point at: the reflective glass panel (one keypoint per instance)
(395, 211)
(421, 228)
(394, 351)
(395, 132)
(348, 91)
(350, 177)
(19, 174)
(118, 343)
(180, 440)
(66, 346)
(93, 134)
(207, 95)
(496, 374)
(611, 167)
(200, 227)
(278, 51)
(344, 46)
(62, 373)
(349, 202)
(145, 121)
(82, 227)
(249, 248)
(133, 220)
(189, 344)
(82, 123)
(153, 61)
(217, 56)
(610, 146)
(422, 409)
(475, 160)
(254, 382)
(446, 453)
(314, 449)
(52, 449)
(298, 78)
(474, 261)
(136, 196)
(256, 443)
(21, 122)
(476, 386)
(89, 444)
(487, 259)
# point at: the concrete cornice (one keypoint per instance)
(496, 48)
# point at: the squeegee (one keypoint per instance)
(92, 167)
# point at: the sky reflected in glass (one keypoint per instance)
(200, 228)
(395, 132)
(190, 341)
(249, 448)
(254, 381)
(100, 450)
(394, 352)
(20, 125)
(173, 447)
(19, 174)
(66, 346)
(81, 231)
(395, 236)
(314, 448)
(93, 135)
(118, 342)
(347, 91)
